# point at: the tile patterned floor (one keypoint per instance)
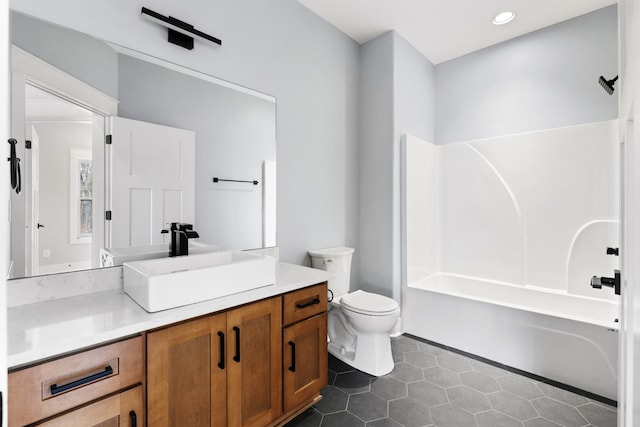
(433, 386)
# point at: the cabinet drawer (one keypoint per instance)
(53, 387)
(125, 409)
(304, 303)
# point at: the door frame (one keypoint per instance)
(29, 69)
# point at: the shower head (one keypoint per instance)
(608, 84)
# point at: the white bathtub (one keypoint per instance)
(566, 338)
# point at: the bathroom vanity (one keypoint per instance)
(255, 358)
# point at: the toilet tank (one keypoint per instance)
(335, 260)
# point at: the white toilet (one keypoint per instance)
(359, 322)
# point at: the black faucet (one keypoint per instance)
(610, 282)
(180, 235)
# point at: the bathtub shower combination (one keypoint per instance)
(500, 240)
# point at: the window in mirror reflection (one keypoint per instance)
(81, 224)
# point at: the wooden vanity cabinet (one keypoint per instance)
(125, 409)
(80, 380)
(304, 346)
(220, 370)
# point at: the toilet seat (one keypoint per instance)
(369, 304)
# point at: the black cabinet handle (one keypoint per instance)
(292, 368)
(222, 352)
(237, 356)
(309, 304)
(55, 389)
(134, 418)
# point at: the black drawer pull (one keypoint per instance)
(55, 389)
(222, 352)
(236, 358)
(309, 304)
(292, 368)
(134, 418)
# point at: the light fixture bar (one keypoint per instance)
(180, 33)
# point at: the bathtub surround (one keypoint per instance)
(537, 209)
(501, 238)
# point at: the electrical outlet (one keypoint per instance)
(46, 253)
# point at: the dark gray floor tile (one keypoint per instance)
(409, 412)
(452, 416)
(496, 419)
(562, 395)
(309, 418)
(404, 344)
(428, 393)
(398, 356)
(442, 377)
(336, 365)
(431, 349)
(520, 386)
(367, 406)
(407, 373)
(512, 405)
(331, 377)
(389, 388)
(487, 369)
(453, 362)
(333, 400)
(419, 394)
(385, 422)
(420, 359)
(559, 412)
(599, 415)
(479, 381)
(468, 399)
(341, 419)
(540, 422)
(353, 382)
(604, 405)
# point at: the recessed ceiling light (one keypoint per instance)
(504, 17)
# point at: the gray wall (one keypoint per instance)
(374, 250)
(277, 47)
(542, 80)
(396, 97)
(85, 58)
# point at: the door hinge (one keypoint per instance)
(107, 139)
(107, 215)
(27, 144)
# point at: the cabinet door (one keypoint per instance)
(304, 360)
(254, 375)
(186, 377)
(125, 409)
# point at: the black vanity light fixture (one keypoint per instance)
(180, 33)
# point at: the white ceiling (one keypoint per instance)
(445, 29)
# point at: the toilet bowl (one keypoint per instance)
(359, 322)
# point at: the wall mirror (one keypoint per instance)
(115, 145)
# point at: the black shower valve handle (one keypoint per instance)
(613, 251)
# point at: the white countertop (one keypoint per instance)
(47, 329)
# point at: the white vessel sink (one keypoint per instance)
(159, 284)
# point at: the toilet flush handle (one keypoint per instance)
(328, 261)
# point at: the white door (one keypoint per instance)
(152, 181)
